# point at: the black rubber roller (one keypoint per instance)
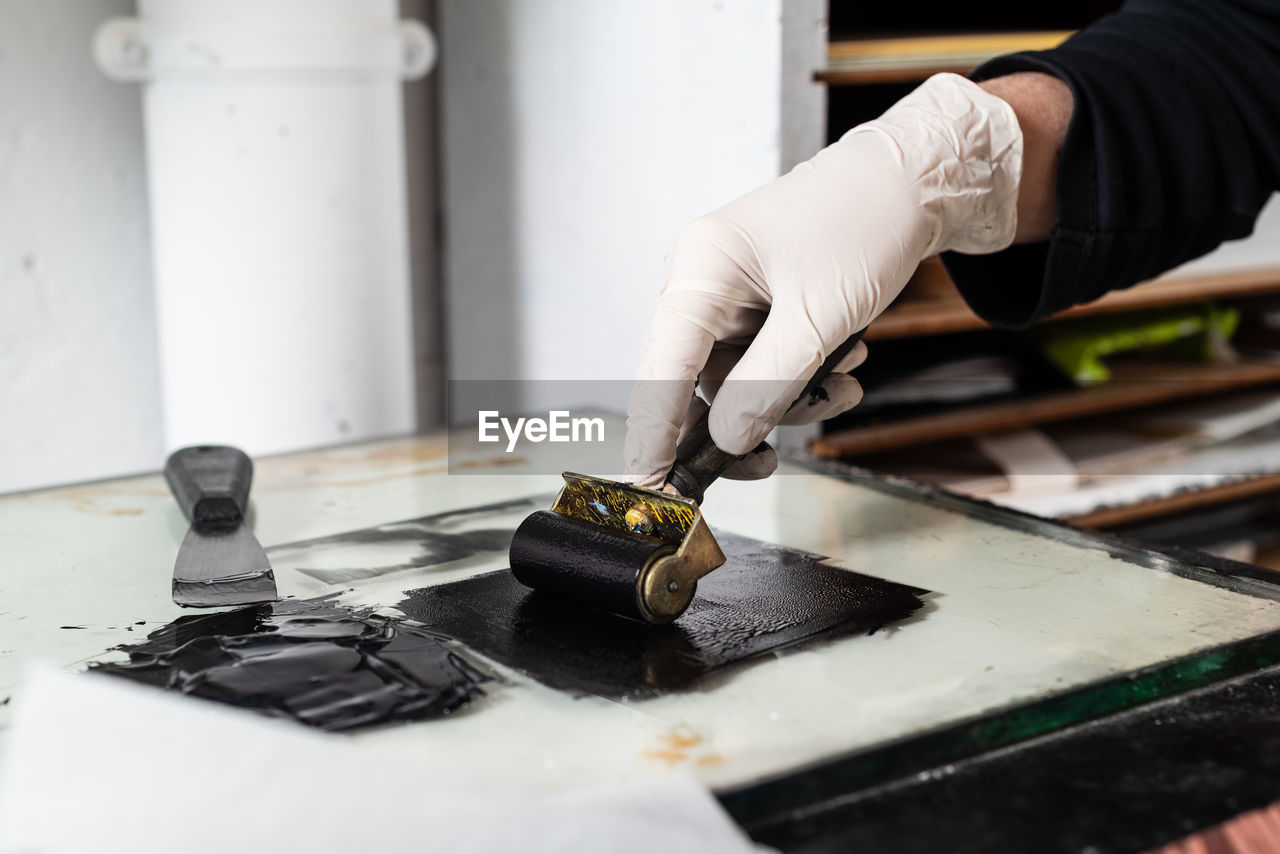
(583, 561)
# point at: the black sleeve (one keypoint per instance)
(1173, 147)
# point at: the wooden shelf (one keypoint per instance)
(1269, 557)
(1110, 517)
(907, 60)
(1133, 384)
(950, 314)
(873, 76)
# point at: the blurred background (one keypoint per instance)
(287, 224)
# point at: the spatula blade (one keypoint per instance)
(222, 566)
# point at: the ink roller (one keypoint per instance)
(632, 551)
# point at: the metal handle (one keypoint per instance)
(211, 483)
(699, 462)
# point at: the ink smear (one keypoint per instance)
(474, 536)
(764, 598)
(316, 662)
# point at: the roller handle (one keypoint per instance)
(699, 462)
(211, 483)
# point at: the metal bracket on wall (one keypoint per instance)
(135, 50)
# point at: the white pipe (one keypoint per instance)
(275, 153)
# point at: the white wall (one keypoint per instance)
(276, 166)
(271, 140)
(79, 394)
(578, 137)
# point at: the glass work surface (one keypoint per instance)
(1020, 611)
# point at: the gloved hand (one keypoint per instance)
(755, 295)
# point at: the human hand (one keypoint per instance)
(755, 295)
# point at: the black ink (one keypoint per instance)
(221, 591)
(310, 660)
(818, 395)
(452, 539)
(764, 598)
(73, 627)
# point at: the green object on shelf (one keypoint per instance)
(1078, 347)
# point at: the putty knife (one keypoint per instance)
(220, 562)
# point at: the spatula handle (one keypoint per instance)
(699, 461)
(211, 482)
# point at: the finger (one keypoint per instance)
(754, 466)
(856, 357)
(697, 408)
(674, 353)
(836, 394)
(708, 294)
(768, 377)
(715, 251)
(721, 361)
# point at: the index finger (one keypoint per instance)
(675, 351)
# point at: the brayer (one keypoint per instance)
(633, 551)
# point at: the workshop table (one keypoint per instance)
(1023, 612)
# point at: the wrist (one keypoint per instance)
(1043, 105)
(960, 151)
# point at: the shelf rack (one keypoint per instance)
(1133, 384)
(931, 306)
(1111, 517)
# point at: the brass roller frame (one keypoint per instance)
(667, 583)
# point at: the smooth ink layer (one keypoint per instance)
(764, 598)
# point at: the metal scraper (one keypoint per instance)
(220, 562)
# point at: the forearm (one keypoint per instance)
(1043, 105)
(1174, 147)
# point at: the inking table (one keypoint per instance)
(1030, 627)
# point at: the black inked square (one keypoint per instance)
(764, 598)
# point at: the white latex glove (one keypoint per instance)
(756, 294)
